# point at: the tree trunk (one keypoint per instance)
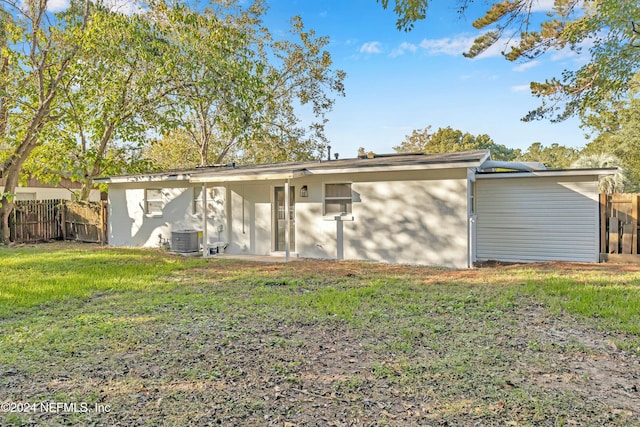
(6, 210)
(85, 191)
(7, 204)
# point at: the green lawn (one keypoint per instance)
(142, 337)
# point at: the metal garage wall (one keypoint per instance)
(528, 219)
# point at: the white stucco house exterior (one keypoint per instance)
(444, 209)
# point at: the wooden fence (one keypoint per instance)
(43, 220)
(619, 227)
(84, 222)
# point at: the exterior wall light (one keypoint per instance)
(304, 191)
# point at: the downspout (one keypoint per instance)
(205, 237)
(471, 217)
(227, 211)
(287, 222)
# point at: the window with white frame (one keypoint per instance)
(153, 202)
(337, 199)
(198, 203)
(197, 200)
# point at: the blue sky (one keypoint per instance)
(399, 81)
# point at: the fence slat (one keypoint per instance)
(613, 235)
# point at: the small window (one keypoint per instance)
(197, 200)
(337, 199)
(153, 201)
(198, 204)
(25, 196)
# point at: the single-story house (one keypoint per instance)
(33, 189)
(443, 209)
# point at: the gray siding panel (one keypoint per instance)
(537, 219)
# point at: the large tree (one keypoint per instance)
(109, 97)
(618, 134)
(41, 47)
(608, 29)
(240, 90)
(555, 156)
(449, 140)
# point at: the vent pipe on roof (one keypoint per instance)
(328, 152)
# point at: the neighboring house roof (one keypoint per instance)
(65, 183)
(379, 163)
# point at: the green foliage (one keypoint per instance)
(36, 51)
(616, 183)
(112, 94)
(618, 134)
(237, 96)
(213, 76)
(448, 140)
(174, 150)
(408, 11)
(609, 27)
(555, 156)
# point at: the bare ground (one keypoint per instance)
(235, 364)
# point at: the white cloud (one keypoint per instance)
(520, 88)
(404, 48)
(447, 46)
(371, 47)
(57, 5)
(542, 5)
(456, 46)
(126, 7)
(526, 65)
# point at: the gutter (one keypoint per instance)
(550, 173)
(518, 166)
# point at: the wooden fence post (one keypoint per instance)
(634, 224)
(63, 219)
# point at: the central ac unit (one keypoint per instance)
(185, 241)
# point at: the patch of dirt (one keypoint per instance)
(437, 363)
(584, 361)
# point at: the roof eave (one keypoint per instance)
(550, 173)
(248, 177)
(141, 178)
(423, 166)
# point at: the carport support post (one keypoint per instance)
(287, 221)
(205, 239)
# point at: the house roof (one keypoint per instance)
(379, 163)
